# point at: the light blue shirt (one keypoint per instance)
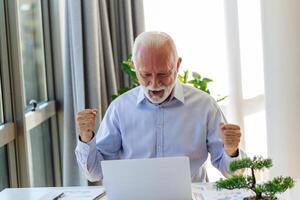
(188, 124)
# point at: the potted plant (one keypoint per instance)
(262, 191)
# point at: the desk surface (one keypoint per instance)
(39, 193)
(201, 191)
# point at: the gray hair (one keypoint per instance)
(153, 39)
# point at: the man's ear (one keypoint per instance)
(178, 63)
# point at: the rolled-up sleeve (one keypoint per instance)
(89, 159)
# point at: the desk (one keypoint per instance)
(206, 192)
(39, 193)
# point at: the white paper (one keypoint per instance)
(208, 191)
(74, 194)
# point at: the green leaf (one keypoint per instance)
(258, 189)
(234, 182)
(207, 80)
(240, 164)
(129, 58)
(180, 78)
(195, 83)
(114, 96)
(278, 185)
(123, 90)
(257, 162)
(196, 75)
(185, 76)
(129, 69)
(203, 86)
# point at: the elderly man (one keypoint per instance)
(160, 118)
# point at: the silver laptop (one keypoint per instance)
(148, 179)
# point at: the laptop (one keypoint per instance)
(166, 178)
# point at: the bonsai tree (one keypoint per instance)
(263, 191)
(197, 81)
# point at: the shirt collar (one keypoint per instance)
(141, 96)
(176, 93)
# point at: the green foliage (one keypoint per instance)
(235, 182)
(127, 68)
(278, 185)
(256, 163)
(121, 91)
(196, 81)
(267, 189)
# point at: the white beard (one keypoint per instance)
(156, 99)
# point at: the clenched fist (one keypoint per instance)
(231, 135)
(86, 122)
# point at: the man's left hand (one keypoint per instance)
(231, 135)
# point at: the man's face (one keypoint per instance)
(157, 72)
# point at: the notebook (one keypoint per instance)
(147, 179)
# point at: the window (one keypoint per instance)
(4, 175)
(35, 83)
(32, 50)
(199, 30)
(26, 75)
(34, 138)
(36, 79)
(8, 172)
(1, 101)
(41, 154)
(252, 77)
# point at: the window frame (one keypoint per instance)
(7, 129)
(26, 120)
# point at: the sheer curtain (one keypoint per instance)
(220, 39)
(99, 35)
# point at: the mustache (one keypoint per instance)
(156, 89)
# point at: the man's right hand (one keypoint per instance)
(86, 122)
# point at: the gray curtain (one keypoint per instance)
(99, 35)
